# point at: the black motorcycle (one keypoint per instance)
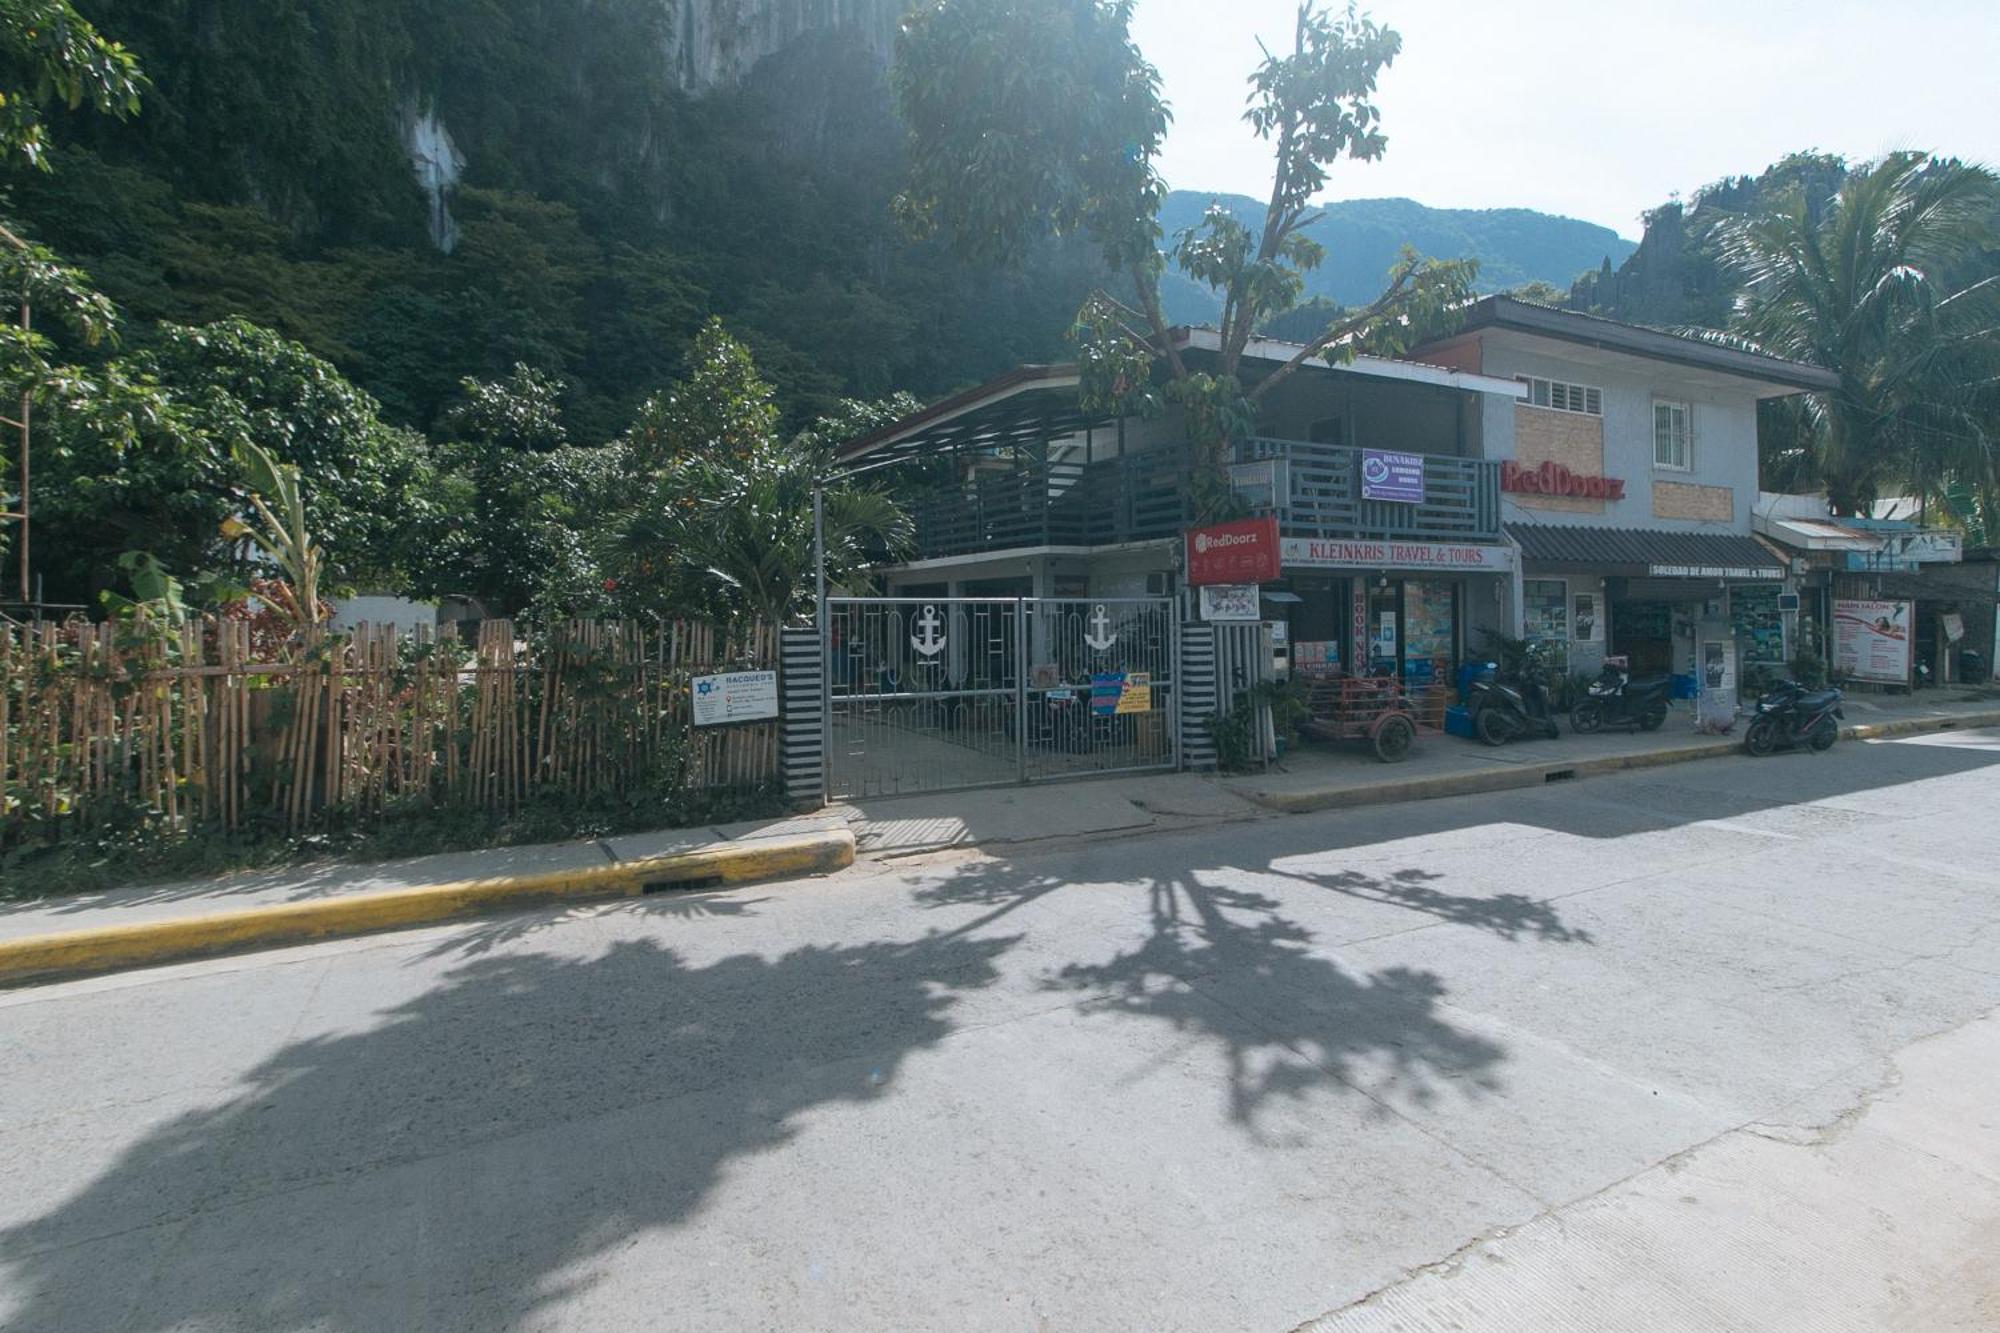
(1617, 700)
(1792, 715)
(1511, 711)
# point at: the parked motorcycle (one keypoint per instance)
(1792, 715)
(1617, 700)
(1510, 711)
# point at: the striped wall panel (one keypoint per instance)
(802, 746)
(1198, 696)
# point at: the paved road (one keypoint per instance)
(1239, 1078)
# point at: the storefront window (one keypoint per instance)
(1546, 603)
(1759, 627)
(1429, 631)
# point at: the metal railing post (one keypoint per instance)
(1021, 688)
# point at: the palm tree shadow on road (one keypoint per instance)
(1227, 965)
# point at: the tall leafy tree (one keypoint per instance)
(1892, 285)
(523, 500)
(51, 56)
(137, 455)
(1028, 116)
(727, 526)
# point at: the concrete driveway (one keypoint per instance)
(1239, 1078)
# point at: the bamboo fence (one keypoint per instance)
(188, 728)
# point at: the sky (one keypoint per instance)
(1597, 109)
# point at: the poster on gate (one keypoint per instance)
(1871, 640)
(1106, 688)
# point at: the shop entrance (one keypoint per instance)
(1411, 631)
(1644, 633)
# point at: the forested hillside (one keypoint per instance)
(1514, 246)
(614, 186)
(1676, 275)
(600, 179)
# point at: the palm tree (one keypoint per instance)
(1892, 285)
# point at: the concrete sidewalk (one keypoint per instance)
(1327, 777)
(151, 923)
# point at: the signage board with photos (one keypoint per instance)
(1586, 622)
(1871, 640)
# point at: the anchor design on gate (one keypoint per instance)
(929, 639)
(1103, 636)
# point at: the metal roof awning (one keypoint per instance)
(1024, 406)
(1645, 552)
(1816, 534)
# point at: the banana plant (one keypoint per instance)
(280, 531)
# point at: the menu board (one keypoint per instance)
(1871, 640)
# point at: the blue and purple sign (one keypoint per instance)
(1392, 476)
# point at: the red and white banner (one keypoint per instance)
(1468, 557)
(1242, 552)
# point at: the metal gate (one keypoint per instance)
(937, 693)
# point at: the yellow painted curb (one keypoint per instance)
(106, 948)
(1917, 726)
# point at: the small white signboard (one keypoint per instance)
(734, 696)
(1230, 601)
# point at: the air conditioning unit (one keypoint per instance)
(1157, 583)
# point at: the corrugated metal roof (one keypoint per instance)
(1815, 534)
(1567, 544)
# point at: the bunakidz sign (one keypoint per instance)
(1242, 552)
(1871, 640)
(1466, 557)
(1555, 479)
(734, 696)
(1392, 476)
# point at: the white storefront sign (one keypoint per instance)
(734, 696)
(1230, 602)
(1464, 557)
(1715, 571)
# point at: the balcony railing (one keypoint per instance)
(1323, 495)
(1144, 495)
(1132, 498)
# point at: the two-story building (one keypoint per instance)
(1017, 492)
(1541, 473)
(1628, 477)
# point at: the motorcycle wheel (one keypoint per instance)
(1586, 717)
(1762, 737)
(1823, 736)
(1494, 727)
(1653, 719)
(1394, 737)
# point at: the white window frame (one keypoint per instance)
(1686, 435)
(1585, 400)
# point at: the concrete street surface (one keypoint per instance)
(1688, 1048)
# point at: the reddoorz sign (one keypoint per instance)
(1242, 552)
(1555, 479)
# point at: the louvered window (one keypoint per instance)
(1558, 396)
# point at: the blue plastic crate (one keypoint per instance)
(1683, 687)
